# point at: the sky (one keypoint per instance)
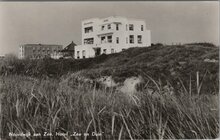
(60, 22)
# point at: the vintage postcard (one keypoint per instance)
(109, 70)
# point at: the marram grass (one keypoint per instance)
(49, 105)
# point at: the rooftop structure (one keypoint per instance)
(69, 50)
(2, 57)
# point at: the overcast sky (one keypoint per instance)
(60, 22)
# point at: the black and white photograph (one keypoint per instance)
(109, 70)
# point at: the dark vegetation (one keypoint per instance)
(165, 63)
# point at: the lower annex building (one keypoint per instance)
(39, 51)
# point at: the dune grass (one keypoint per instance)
(51, 105)
(39, 96)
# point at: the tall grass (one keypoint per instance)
(49, 105)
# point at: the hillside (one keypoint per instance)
(170, 102)
(165, 63)
(171, 64)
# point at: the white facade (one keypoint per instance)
(111, 35)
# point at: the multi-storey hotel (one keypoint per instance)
(111, 35)
(38, 51)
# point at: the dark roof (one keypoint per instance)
(69, 48)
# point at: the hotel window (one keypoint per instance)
(109, 26)
(89, 41)
(131, 39)
(126, 27)
(110, 39)
(77, 54)
(131, 27)
(103, 27)
(88, 29)
(84, 54)
(117, 40)
(104, 51)
(142, 27)
(117, 27)
(139, 39)
(103, 39)
(112, 50)
(126, 40)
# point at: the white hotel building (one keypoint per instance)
(111, 35)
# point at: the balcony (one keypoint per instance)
(106, 41)
(104, 45)
(107, 31)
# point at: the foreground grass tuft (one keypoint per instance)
(49, 105)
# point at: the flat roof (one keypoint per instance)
(41, 45)
(90, 19)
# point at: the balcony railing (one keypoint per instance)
(107, 31)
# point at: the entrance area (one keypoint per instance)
(97, 51)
